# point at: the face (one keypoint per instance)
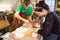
(42, 14)
(26, 2)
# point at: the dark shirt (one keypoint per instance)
(51, 24)
(56, 24)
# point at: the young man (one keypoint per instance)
(51, 24)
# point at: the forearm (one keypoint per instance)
(30, 18)
(18, 17)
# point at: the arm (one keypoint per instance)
(30, 18)
(30, 12)
(16, 15)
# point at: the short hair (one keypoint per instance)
(41, 5)
(27, 0)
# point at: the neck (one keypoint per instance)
(25, 5)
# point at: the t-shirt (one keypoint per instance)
(28, 10)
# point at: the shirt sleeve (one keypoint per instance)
(30, 9)
(19, 8)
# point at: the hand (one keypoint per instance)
(26, 21)
(36, 25)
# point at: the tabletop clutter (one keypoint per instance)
(25, 32)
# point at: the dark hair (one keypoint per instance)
(27, 2)
(41, 5)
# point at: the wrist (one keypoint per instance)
(22, 19)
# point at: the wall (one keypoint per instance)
(7, 4)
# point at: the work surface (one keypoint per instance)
(29, 35)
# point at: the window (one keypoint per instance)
(51, 4)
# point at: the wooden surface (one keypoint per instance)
(4, 23)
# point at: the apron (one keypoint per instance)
(18, 23)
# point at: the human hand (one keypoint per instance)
(36, 24)
(26, 21)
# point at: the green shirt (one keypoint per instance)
(28, 10)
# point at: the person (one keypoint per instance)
(51, 22)
(23, 13)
